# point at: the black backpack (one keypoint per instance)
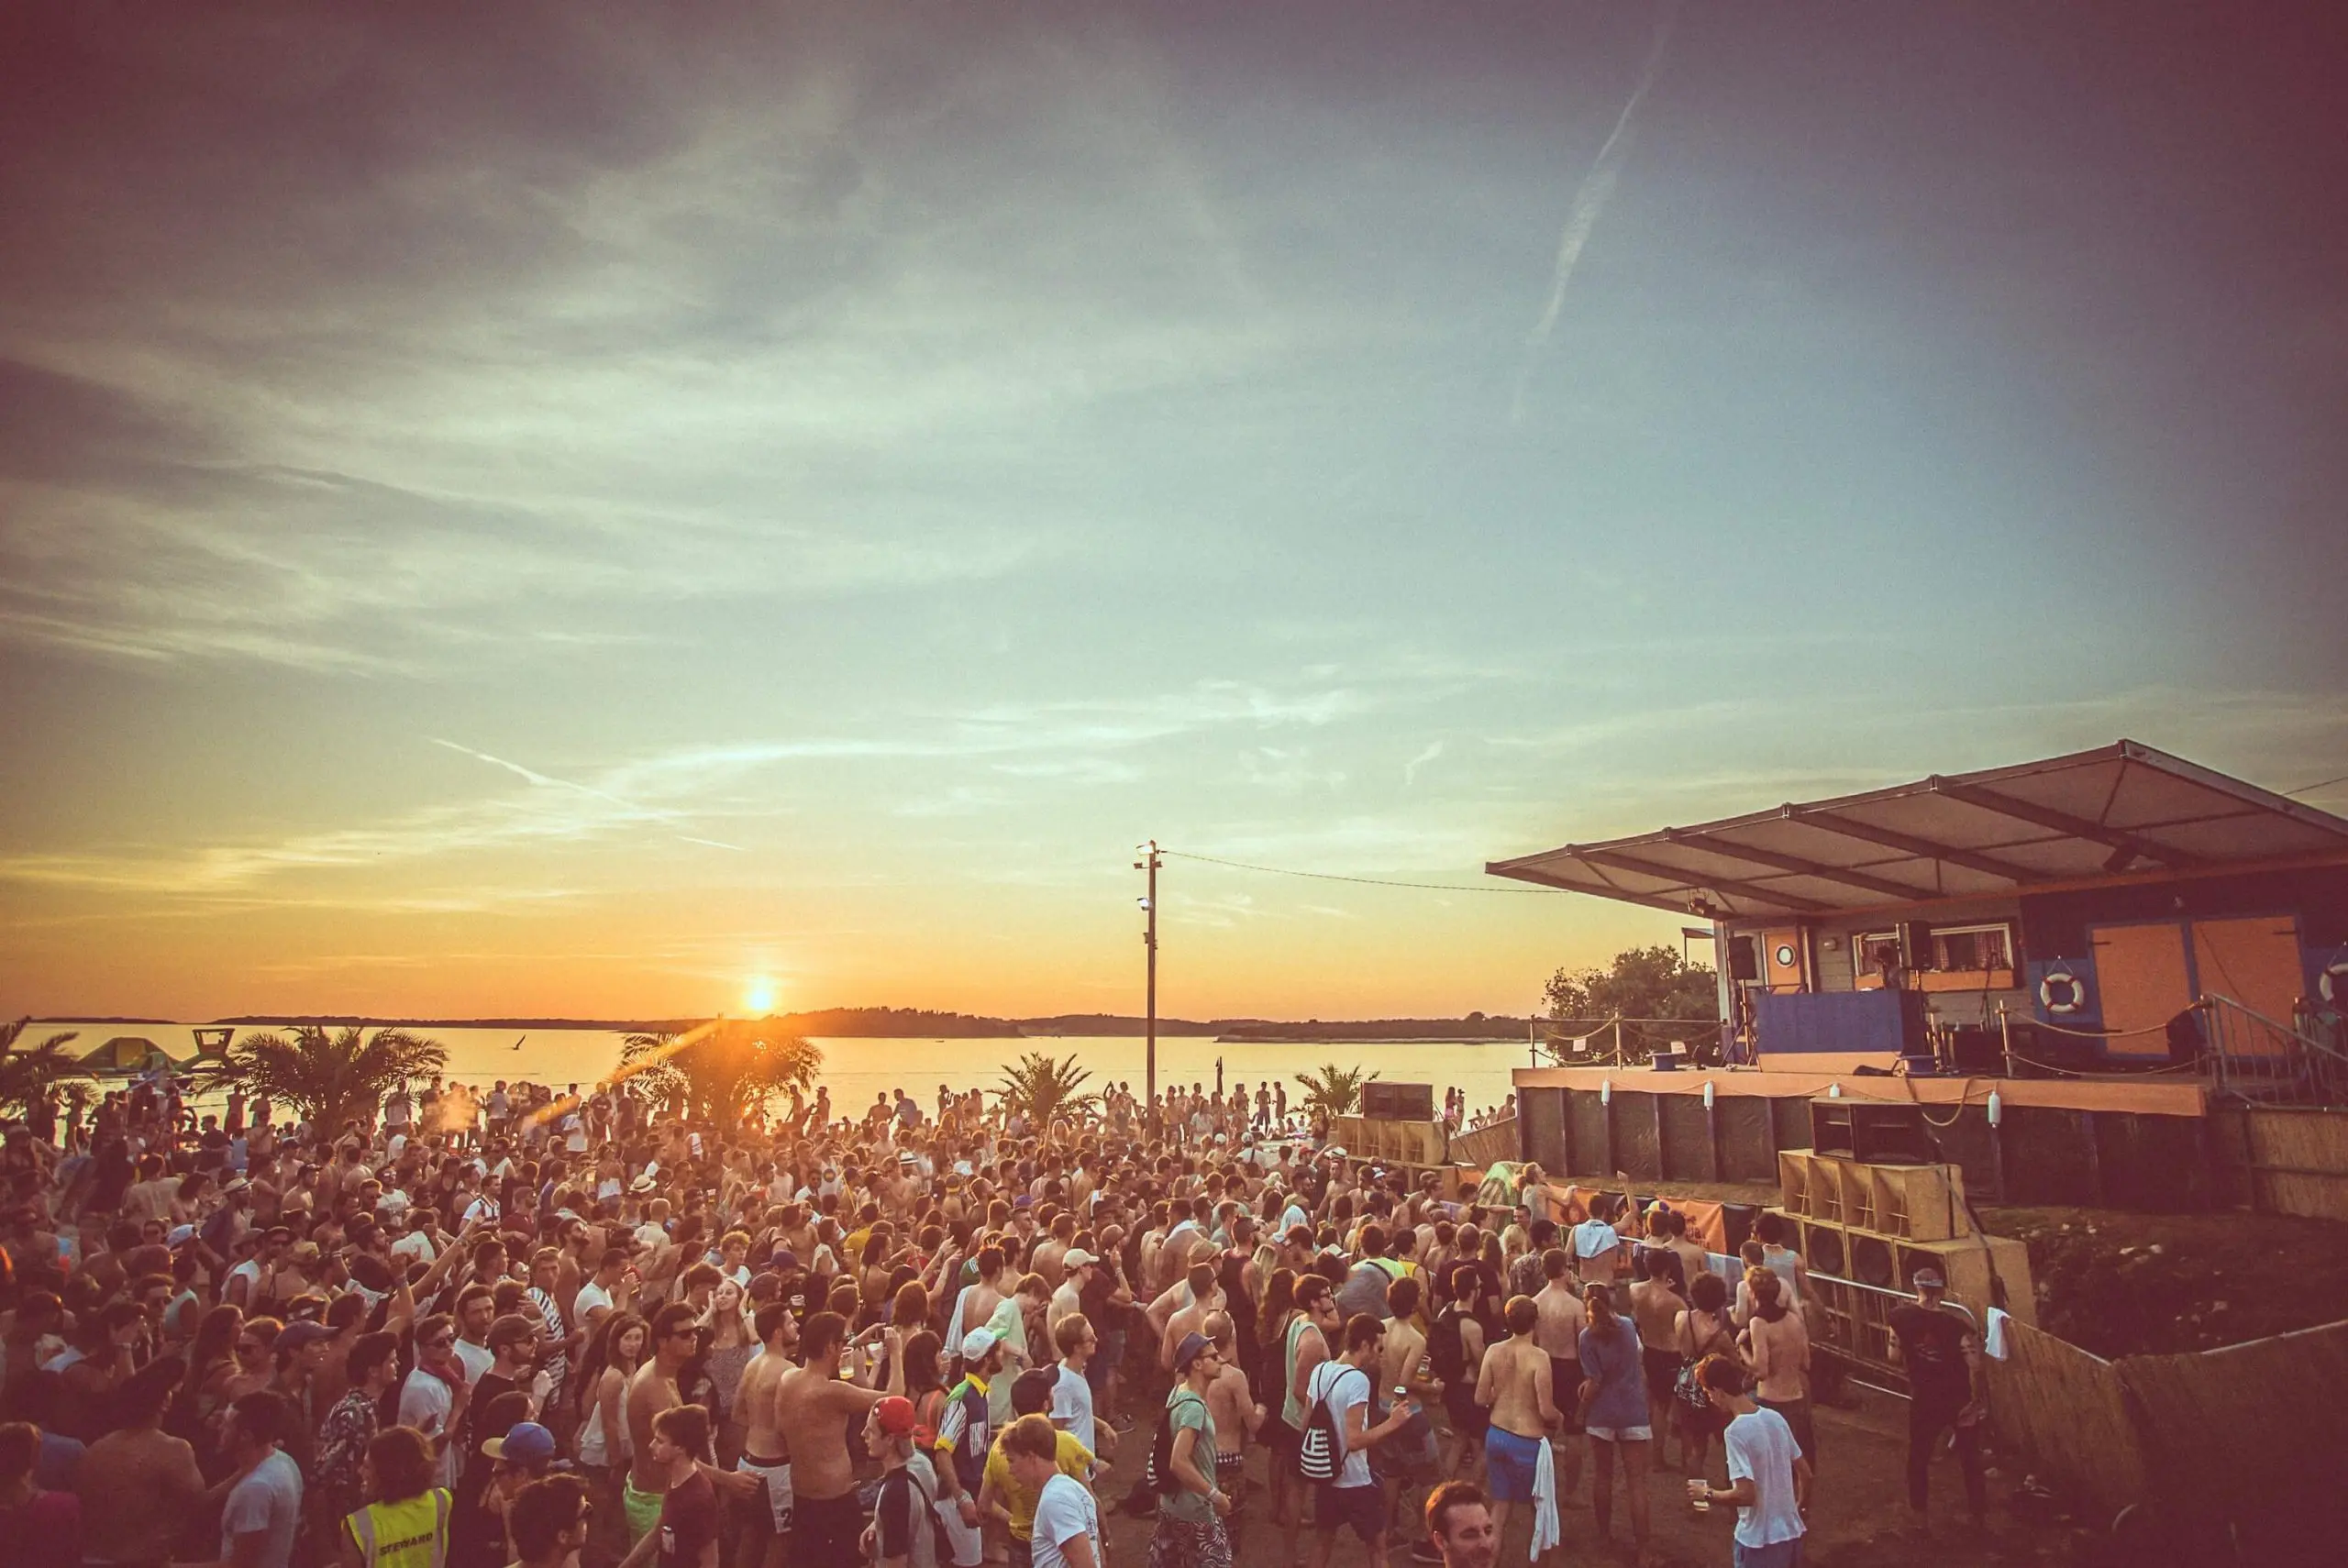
(1159, 1477)
(1446, 1352)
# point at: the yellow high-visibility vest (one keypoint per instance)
(411, 1533)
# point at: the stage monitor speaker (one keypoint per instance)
(1398, 1102)
(1743, 957)
(1976, 1051)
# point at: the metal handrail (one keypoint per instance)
(2293, 1029)
(2306, 1069)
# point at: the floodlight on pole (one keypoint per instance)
(1149, 863)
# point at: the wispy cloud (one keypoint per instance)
(1064, 741)
(1590, 201)
(1410, 769)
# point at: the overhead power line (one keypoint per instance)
(1334, 876)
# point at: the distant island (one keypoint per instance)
(838, 1023)
(920, 1023)
(1475, 1026)
(1100, 1023)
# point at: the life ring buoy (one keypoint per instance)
(2073, 991)
(2333, 981)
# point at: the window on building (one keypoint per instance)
(1973, 947)
(1872, 951)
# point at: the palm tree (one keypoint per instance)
(1335, 1090)
(723, 1070)
(330, 1079)
(26, 1074)
(1041, 1089)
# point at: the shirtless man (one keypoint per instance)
(1045, 1259)
(978, 1302)
(814, 1404)
(652, 1390)
(1403, 1362)
(1230, 1404)
(1513, 1384)
(766, 1446)
(1558, 1322)
(1657, 1303)
(1206, 1299)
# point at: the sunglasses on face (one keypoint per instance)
(441, 1343)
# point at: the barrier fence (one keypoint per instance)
(1486, 1146)
(2242, 1450)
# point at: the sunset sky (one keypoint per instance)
(583, 509)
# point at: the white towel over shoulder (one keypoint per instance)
(1547, 1532)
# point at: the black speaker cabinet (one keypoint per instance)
(1743, 957)
(1874, 1133)
(1398, 1102)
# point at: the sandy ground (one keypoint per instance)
(1859, 1514)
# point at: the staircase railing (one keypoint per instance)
(2260, 1059)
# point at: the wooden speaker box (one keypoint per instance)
(1889, 1263)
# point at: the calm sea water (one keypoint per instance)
(856, 1070)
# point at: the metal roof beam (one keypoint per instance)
(1845, 875)
(1525, 873)
(1924, 848)
(1696, 882)
(2054, 820)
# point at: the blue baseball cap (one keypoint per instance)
(524, 1444)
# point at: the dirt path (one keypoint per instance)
(1859, 1518)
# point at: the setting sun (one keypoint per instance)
(760, 997)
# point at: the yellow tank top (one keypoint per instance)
(411, 1533)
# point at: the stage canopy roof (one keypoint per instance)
(2094, 816)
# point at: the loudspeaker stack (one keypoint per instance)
(1878, 1224)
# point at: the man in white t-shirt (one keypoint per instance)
(417, 1243)
(245, 1277)
(1067, 1520)
(264, 1506)
(433, 1398)
(1071, 1392)
(605, 1292)
(1768, 1476)
(1354, 1500)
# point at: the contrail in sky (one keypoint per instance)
(548, 783)
(1588, 201)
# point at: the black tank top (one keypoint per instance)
(1232, 1277)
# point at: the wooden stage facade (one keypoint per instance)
(2130, 1143)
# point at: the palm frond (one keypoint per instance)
(1333, 1089)
(26, 1074)
(725, 1070)
(1043, 1090)
(329, 1077)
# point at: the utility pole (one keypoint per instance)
(1149, 863)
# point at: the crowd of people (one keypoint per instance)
(537, 1328)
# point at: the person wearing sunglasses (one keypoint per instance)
(433, 1398)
